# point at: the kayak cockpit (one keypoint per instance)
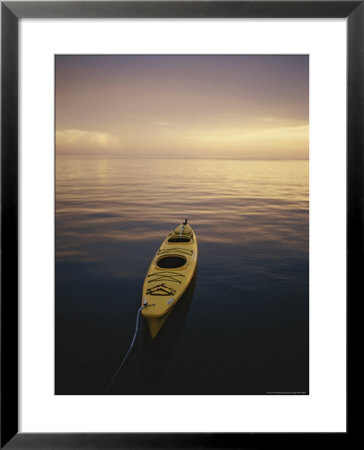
(179, 239)
(171, 262)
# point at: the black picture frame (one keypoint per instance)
(11, 12)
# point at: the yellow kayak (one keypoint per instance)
(168, 276)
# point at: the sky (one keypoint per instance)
(193, 106)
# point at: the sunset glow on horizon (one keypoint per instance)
(202, 106)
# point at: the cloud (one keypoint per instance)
(240, 134)
(77, 140)
(282, 132)
(266, 141)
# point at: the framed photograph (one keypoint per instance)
(181, 221)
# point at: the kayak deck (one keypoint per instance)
(168, 276)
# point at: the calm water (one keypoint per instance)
(242, 328)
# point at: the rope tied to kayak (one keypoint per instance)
(175, 250)
(165, 276)
(160, 289)
(145, 305)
